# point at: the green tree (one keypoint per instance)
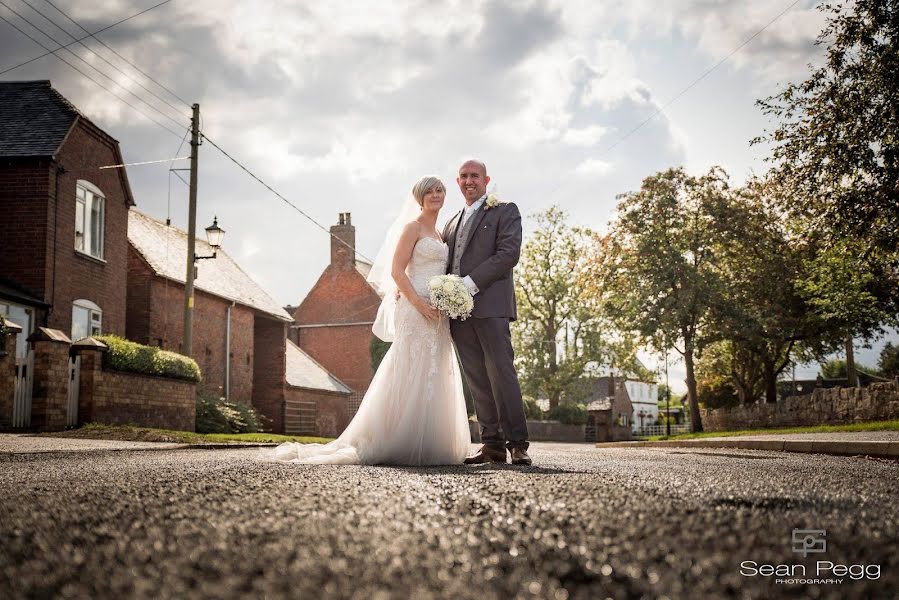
(837, 144)
(377, 349)
(764, 312)
(556, 335)
(656, 274)
(889, 360)
(837, 369)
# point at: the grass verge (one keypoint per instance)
(131, 433)
(871, 426)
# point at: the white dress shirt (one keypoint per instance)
(466, 214)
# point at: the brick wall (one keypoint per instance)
(269, 370)
(7, 380)
(138, 312)
(156, 318)
(51, 385)
(24, 200)
(343, 351)
(877, 402)
(107, 396)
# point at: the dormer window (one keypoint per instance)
(89, 218)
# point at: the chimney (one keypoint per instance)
(343, 255)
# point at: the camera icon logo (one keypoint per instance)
(809, 541)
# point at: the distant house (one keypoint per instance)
(642, 398)
(609, 410)
(63, 235)
(333, 322)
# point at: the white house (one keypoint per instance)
(645, 397)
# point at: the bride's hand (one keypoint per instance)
(427, 311)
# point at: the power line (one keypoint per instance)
(288, 202)
(145, 162)
(60, 11)
(48, 53)
(16, 27)
(50, 37)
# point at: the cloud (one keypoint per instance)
(593, 166)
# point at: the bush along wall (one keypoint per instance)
(217, 415)
(131, 357)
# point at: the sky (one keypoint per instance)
(341, 106)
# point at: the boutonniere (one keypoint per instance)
(492, 201)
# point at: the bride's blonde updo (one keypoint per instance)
(425, 185)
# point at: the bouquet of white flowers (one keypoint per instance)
(449, 295)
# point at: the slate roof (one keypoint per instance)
(165, 247)
(34, 118)
(304, 372)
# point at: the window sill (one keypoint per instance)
(89, 257)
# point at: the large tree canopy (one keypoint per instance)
(836, 147)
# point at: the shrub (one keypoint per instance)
(569, 413)
(217, 415)
(532, 410)
(125, 355)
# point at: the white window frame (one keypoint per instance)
(90, 219)
(94, 314)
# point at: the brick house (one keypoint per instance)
(240, 332)
(238, 328)
(333, 322)
(609, 410)
(63, 240)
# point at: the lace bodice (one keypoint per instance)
(428, 259)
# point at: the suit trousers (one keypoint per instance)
(485, 348)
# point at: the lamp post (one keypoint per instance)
(214, 236)
(667, 399)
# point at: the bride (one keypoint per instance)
(414, 411)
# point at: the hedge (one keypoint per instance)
(125, 355)
(570, 414)
(217, 415)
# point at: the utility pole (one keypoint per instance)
(187, 346)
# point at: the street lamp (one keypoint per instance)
(214, 235)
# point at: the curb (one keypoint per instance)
(834, 447)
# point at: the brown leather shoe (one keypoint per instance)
(520, 457)
(486, 455)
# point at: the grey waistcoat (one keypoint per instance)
(462, 240)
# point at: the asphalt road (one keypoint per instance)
(581, 523)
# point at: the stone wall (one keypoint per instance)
(877, 402)
(542, 431)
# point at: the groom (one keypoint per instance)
(484, 244)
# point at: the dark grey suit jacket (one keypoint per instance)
(492, 252)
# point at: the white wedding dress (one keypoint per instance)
(414, 411)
